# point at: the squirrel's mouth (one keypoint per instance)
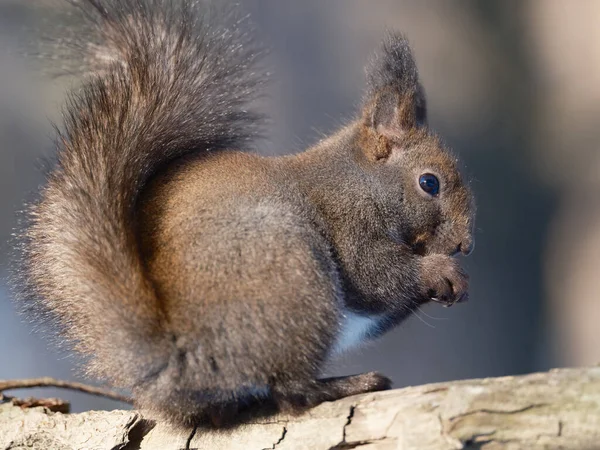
(448, 303)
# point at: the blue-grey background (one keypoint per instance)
(513, 86)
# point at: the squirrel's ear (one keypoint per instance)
(395, 100)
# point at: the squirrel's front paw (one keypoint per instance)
(443, 280)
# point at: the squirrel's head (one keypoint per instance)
(424, 200)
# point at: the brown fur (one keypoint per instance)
(207, 279)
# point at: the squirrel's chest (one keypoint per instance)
(355, 329)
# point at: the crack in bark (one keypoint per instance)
(438, 389)
(560, 428)
(188, 442)
(343, 444)
(279, 441)
(357, 444)
(137, 428)
(348, 422)
(474, 439)
(497, 411)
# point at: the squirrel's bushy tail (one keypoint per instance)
(168, 79)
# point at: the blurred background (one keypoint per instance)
(513, 87)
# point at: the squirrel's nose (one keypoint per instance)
(466, 247)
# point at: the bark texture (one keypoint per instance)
(559, 409)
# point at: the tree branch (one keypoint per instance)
(6, 385)
(557, 409)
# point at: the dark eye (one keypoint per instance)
(429, 183)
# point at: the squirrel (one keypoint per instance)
(205, 277)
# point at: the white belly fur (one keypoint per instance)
(354, 331)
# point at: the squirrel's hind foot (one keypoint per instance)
(299, 397)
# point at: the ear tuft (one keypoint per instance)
(395, 99)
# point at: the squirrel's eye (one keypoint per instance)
(429, 183)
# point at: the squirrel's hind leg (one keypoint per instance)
(295, 397)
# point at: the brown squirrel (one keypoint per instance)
(207, 278)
